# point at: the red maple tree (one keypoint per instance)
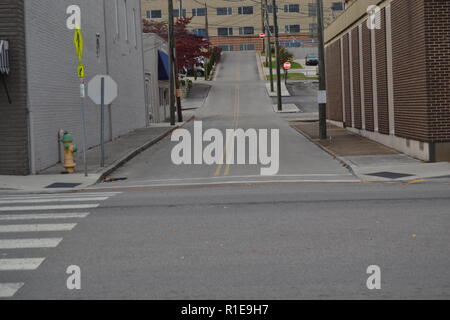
(189, 46)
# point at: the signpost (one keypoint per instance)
(78, 43)
(102, 90)
(286, 66)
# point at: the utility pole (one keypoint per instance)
(177, 80)
(207, 37)
(322, 81)
(269, 46)
(277, 54)
(171, 65)
(263, 26)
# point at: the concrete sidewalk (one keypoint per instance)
(117, 153)
(369, 160)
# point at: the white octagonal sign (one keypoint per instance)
(95, 87)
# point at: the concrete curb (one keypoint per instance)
(119, 163)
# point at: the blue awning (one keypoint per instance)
(163, 66)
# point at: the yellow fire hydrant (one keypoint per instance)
(69, 149)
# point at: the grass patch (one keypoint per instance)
(294, 65)
(294, 76)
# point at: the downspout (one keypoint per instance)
(107, 68)
(141, 31)
(30, 120)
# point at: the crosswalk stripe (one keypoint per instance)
(71, 195)
(16, 201)
(20, 264)
(37, 227)
(29, 243)
(8, 290)
(52, 207)
(49, 216)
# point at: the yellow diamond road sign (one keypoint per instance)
(78, 43)
(80, 71)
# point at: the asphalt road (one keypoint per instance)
(211, 232)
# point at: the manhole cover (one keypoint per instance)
(390, 175)
(62, 185)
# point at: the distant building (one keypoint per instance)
(236, 25)
(391, 82)
(156, 71)
(43, 81)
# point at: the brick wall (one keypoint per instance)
(346, 73)
(13, 117)
(236, 41)
(334, 77)
(409, 69)
(382, 84)
(356, 78)
(367, 81)
(437, 42)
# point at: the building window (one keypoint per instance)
(245, 10)
(246, 30)
(199, 12)
(176, 13)
(247, 47)
(313, 29)
(226, 47)
(154, 14)
(270, 8)
(225, 32)
(117, 20)
(272, 29)
(224, 11)
(291, 8)
(292, 28)
(337, 6)
(312, 9)
(290, 43)
(199, 32)
(125, 12)
(135, 28)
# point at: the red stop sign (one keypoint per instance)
(262, 35)
(287, 65)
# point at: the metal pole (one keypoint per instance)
(263, 26)
(102, 125)
(277, 54)
(83, 126)
(171, 71)
(207, 37)
(181, 9)
(322, 71)
(269, 47)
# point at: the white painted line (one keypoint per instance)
(238, 182)
(252, 177)
(13, 217)
(17, 201)
(20, 264)
(29, 243)
(55, 207)
(71, 195)
(8, 290)
(37, 227)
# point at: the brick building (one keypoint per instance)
(391, 83)
(236, 25)
(43, 82)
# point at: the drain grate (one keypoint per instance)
(62, 185)
(390, 175)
